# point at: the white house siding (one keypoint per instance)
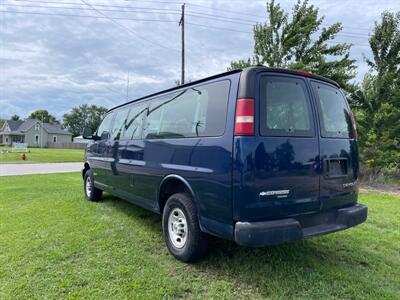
(30, 137)
(61, 138)
(27, 131)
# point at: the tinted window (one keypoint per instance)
(104, 127)
(119, 123)
(285, 107)
(133, 126)
(195, 111)
(334, 114)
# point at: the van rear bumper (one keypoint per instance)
(299, 227)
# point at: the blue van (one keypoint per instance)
(259, 156)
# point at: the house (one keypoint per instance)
(33, 132)
(81, 140)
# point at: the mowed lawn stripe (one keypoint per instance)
(40, 155)
(54, 244)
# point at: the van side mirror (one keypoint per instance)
(87, 133)
(104, 135)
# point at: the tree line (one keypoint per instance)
(79, 117)
(299, 41)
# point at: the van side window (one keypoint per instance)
(284, 107)
(195, 111)
(104, 128)
(119, 123)
(334, 114)
(133, 126)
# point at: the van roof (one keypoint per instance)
(245, 90)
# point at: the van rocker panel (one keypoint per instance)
(284, 230)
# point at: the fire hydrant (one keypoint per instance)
(23, 156)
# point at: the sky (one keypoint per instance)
(56, 55)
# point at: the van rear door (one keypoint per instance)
(338, 147)
(276, 172)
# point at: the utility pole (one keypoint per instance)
(41, 133)
(127, 87)
(182, 24)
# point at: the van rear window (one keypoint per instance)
(334, 113)
(284, 107)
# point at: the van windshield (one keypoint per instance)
(334, 113)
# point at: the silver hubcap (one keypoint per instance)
(88, 186)
(177, 228)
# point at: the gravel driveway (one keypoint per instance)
(39, 168)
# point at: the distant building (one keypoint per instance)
(81, 140)
(33, 132)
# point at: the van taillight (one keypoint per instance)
(353, 121)
(244, 118)
(304, 73)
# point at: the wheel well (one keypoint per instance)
(169, 187)
(85, 169)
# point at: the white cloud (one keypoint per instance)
(56, 62)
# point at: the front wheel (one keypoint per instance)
(91, 192)
(182, 232)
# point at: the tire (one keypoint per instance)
(182, 233)
(91, 192)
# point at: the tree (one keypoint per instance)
(377, 102)
(83, 116)
(44, 116)
(15, 118)
(300, 43)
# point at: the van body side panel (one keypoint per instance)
(133, 167)
(204, 162)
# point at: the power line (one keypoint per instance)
(126, 28)
(84, 16)
(218, 19)
(255, 15)
(198, 15)
(193, 13)
(226, 11)
(227, 18)
(342, 33)
(249, 32)
(162, 2)
(96, 5)
(345, 34)
(219, 28)
(88, 9)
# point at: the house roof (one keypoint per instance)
(14, 125)
(27, 124)
(55, 129)
(23, 126)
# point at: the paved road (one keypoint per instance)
(42, 168)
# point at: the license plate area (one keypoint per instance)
(336, 167)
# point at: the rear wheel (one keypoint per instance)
(182, 232)
(91, 192)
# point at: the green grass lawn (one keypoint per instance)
(54, 244)
(43, 155)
